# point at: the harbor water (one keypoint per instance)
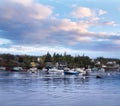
(43, 89)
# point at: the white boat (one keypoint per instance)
(88, 70)
(79, 69)
(17, 69)
(44, 69)
(2, 68)
(55, 70)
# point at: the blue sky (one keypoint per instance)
(34, 27)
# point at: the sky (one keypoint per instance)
(77, 27)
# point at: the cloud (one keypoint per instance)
(30, 27)
(117, 42)
(85, 12)
(4, 41)
(102, 12)
(111, 23)
(21, 19)
(38, 50)
(23, 2)
(92, 17)
(68, 25)
(41, 50)
(26, 9)
(84, 39)
(82, 12)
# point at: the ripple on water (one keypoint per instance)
(25, 89)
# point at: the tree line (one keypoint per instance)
(10, 60)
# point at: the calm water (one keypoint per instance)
(41, 89)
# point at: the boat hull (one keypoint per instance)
(71, 73)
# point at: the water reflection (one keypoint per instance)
(42, 89)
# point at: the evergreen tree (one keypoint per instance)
(48, 58)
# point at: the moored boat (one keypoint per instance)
(71, 72)
(16, 69)
(55, 70)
